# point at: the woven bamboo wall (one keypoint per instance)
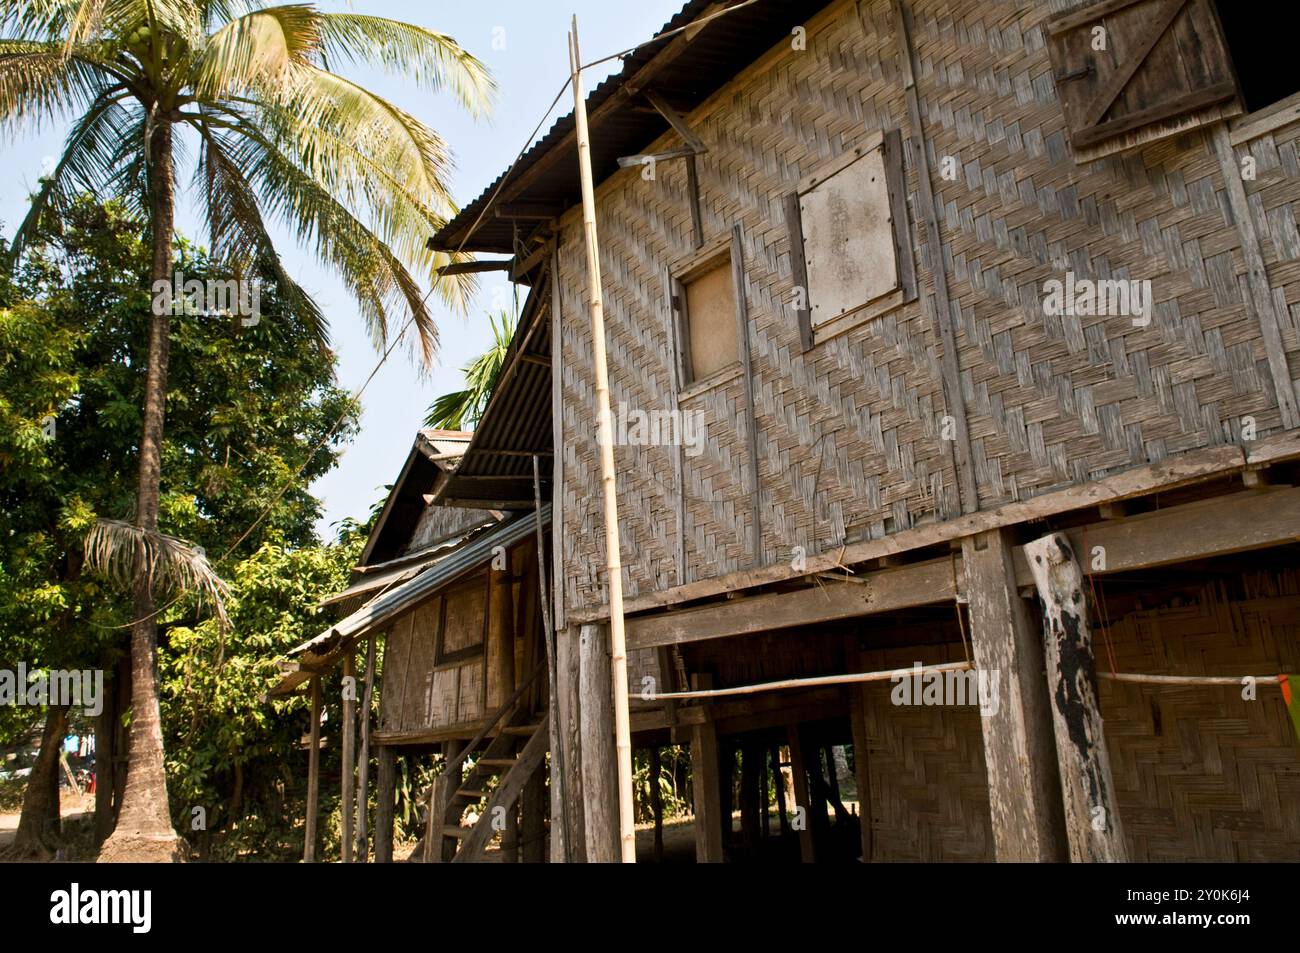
(1200, 773)
(847, 434)
(929, 785)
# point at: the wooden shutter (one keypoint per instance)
(1164, 69)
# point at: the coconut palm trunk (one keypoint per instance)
(144, 828)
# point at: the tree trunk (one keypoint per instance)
(38, 825)
(144, 828)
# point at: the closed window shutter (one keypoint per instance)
(1162, 68)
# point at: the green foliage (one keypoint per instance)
(461, 409)
(230, 752)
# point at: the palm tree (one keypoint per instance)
(461, 409)
(279, 137)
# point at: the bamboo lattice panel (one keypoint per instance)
(1200, 773)
(847, 434)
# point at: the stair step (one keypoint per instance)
(473, 794)
(452, 830)
(521, 729)
(495, 762)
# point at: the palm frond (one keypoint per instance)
(261, 50)
(430, 59)
(125, 554)
(39, 83)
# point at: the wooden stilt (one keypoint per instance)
(803, 811)
(450, 810)
(363, 757)
(385, 804)
(657, 801)
(570, 739)
(751, 774)
(780, 779)
(313, 775)
(707, 791)
(348, 757)
(1092, 820)
(1024, 788)
(532, 827)
(862, 769)
(599, 780)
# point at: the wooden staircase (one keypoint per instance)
(512, 756)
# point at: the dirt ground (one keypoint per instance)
(70, 807)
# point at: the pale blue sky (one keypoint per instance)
(530, 62)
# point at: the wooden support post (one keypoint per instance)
(363, 757)
(751, 777)
(605, 445)
(570, 740)
(532, 826)
(801, 818)
(1092, 820)
(348, 756)
(657, 801)
(385, 804)
(450, 810)
(501, 636)
(510, 836)
(313, 776)
(862, 766)
(707, 793)
(599, 780)
(1024, 789)
(780, 780)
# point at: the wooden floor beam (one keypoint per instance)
(1016, 720)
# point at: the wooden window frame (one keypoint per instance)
(681, 273)
(891, 142)
(441, 657)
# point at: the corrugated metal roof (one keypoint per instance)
(325, 649)
(701, 64)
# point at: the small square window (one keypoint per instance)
(706, 302)
(464, 621)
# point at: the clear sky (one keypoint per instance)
(523, 43)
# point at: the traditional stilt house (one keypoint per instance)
(451, 594)
(952, 336)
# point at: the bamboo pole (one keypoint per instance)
(348, 756)
(363, 758)
(313, 776)
(604, 438)
(560, 837)
(816, 680)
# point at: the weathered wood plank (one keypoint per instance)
(599, 782)
(1016, 720)
(1092, 820)
(707, 792)
(883, 591)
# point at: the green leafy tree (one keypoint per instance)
(250, 407)
(461, 409)
(279, 137)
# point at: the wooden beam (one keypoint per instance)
(313, 776)
(1016, 720)
(801, 817)
(599, 782)
(385, 804)
(675, 119)
(1239, 522)
(707, 794)
(473, 267)
(363, 757)
(1092, 820)
(747, 381)
(862, 769)
(883, 591)
(348, 757)
(1183, 470)
(628, 162)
